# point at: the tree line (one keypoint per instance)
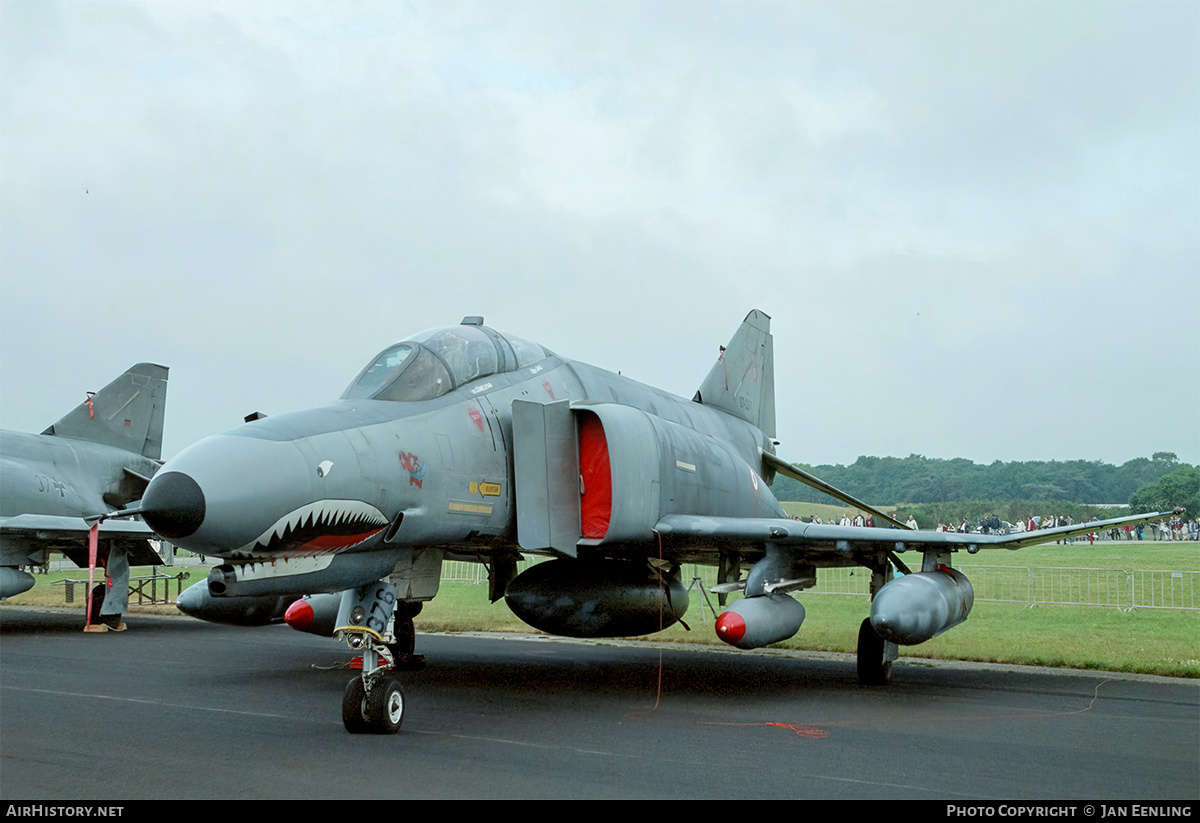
(1179, 488)
(920, 479)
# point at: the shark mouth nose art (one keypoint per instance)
(326, 526)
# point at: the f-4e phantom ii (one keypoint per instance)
(96, 459)
(466, 443)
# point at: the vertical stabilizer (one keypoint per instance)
(742, 382)
(126, 414)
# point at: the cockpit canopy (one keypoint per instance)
(434, 362)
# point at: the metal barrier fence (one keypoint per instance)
(1117, 588)
(151, 589)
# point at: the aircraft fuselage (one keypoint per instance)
(358, 474)
(60, 477)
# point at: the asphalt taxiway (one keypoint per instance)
(179, 709)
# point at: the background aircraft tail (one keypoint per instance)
(127, 413)
(742, 382)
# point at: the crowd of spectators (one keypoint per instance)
(1174, 528)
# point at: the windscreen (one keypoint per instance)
(380, 372)
(434, 362)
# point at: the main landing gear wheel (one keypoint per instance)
(404, 658)
(381, 711)
(874, 668)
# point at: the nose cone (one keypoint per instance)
(219, 495)
(173, 505)
(240, 496)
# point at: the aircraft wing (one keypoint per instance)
(845, 540)
(754, 532)
(70, 535)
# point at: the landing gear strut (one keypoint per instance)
(874, 664)
(875, 655)
(374, 702)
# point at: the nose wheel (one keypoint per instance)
(378, 709)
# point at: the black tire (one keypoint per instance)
(403, 656)
(873, 670)
(385, 707)
(406, 638)
(354, 708)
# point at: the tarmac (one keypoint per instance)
(175, 708)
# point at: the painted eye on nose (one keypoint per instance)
(324, 467)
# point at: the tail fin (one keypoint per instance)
(742, 382)
(126, 414)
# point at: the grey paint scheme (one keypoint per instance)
(488, 471)
(89, 463)
(432, 461)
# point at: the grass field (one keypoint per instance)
(1165, 642)
(1150, 641)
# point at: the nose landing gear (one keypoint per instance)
(374, 702)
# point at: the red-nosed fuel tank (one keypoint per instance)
(913, 608)
(314, 613)
(596, 598)
(753, 622)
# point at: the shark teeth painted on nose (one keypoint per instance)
(326, 526)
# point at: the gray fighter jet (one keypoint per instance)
(93, 461)
(466, 443)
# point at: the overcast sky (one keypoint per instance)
(975, 226)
